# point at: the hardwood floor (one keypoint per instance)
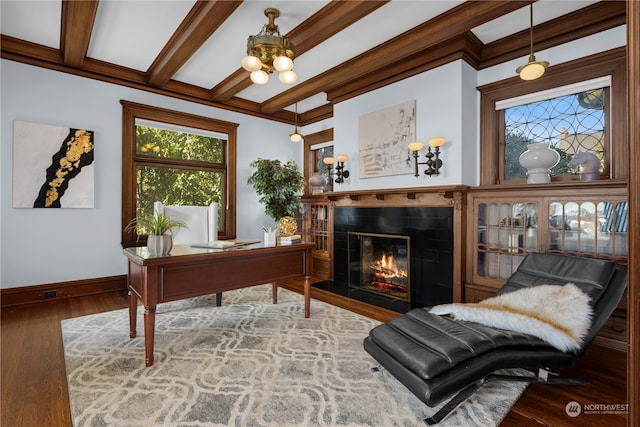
(34, 385)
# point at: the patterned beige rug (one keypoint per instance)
(247, 363)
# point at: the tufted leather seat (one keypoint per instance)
(436, 356)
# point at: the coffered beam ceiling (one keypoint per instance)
(442, 39)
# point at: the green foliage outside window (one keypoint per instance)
(193, 174)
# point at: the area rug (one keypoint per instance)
(246, 363)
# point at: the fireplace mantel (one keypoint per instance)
(452, 195)
(435, 196)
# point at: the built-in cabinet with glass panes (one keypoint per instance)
(508, 224)
(316, 228)
(566, 218)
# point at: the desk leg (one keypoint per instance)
(149, 331)
(133, 314)
(307, 296)
(274, 292)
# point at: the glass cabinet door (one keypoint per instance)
(506, 231)
(591, 228)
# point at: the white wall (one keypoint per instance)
(39, 246)
(46, 246)
(439, 110)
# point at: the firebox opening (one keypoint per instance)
(379, 263)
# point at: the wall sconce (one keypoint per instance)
(341, 173)
(433, 161)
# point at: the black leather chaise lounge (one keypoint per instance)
(437, 357)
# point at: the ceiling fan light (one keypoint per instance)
(259, 77)
(251, 63)
(283, 63)
(288, 77)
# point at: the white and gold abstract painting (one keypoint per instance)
(52, 166)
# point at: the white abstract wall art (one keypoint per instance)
(52, 166)
(383, 137)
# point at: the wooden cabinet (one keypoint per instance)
(316, 227)
(580, 219)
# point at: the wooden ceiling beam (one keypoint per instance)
(310, 33)
(448, 25)
(78, 18)
(204, 18)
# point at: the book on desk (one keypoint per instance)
(224, 244)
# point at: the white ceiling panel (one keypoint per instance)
(34, 21)
(132, 33)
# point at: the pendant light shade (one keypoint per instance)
(296, 136)
(532, 69)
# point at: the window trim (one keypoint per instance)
(309, 141)
(132, 111)
(612, 62)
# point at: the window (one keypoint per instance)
(576, 106)
(319, 152)
(572, 119)
(317, 146)
(178, 159)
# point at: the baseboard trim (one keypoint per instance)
(51, 291)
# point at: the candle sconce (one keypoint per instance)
(341, 172)
(433, 161)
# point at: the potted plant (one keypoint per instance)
(280, 188)
(159, 241)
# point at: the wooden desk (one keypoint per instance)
(190, 272)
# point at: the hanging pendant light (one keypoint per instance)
(270, 51)
(532, 69)
(296, 136)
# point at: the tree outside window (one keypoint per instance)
(178, 159)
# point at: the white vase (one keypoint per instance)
(538, 161)
(160, 245)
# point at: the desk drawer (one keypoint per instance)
(197, 279)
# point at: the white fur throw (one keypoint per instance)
(559, 315)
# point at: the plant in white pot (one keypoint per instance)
(158, 228)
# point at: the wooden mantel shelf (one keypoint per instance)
(447, 192)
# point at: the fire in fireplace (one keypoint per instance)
(387, 275)
(379, 263)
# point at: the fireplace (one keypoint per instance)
(379, 263)
(418, 238)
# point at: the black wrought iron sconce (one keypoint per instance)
(341, 172)
(433, 161)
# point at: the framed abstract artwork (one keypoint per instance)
(383, 137)
(52, 166)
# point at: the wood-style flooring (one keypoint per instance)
(34, 386)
